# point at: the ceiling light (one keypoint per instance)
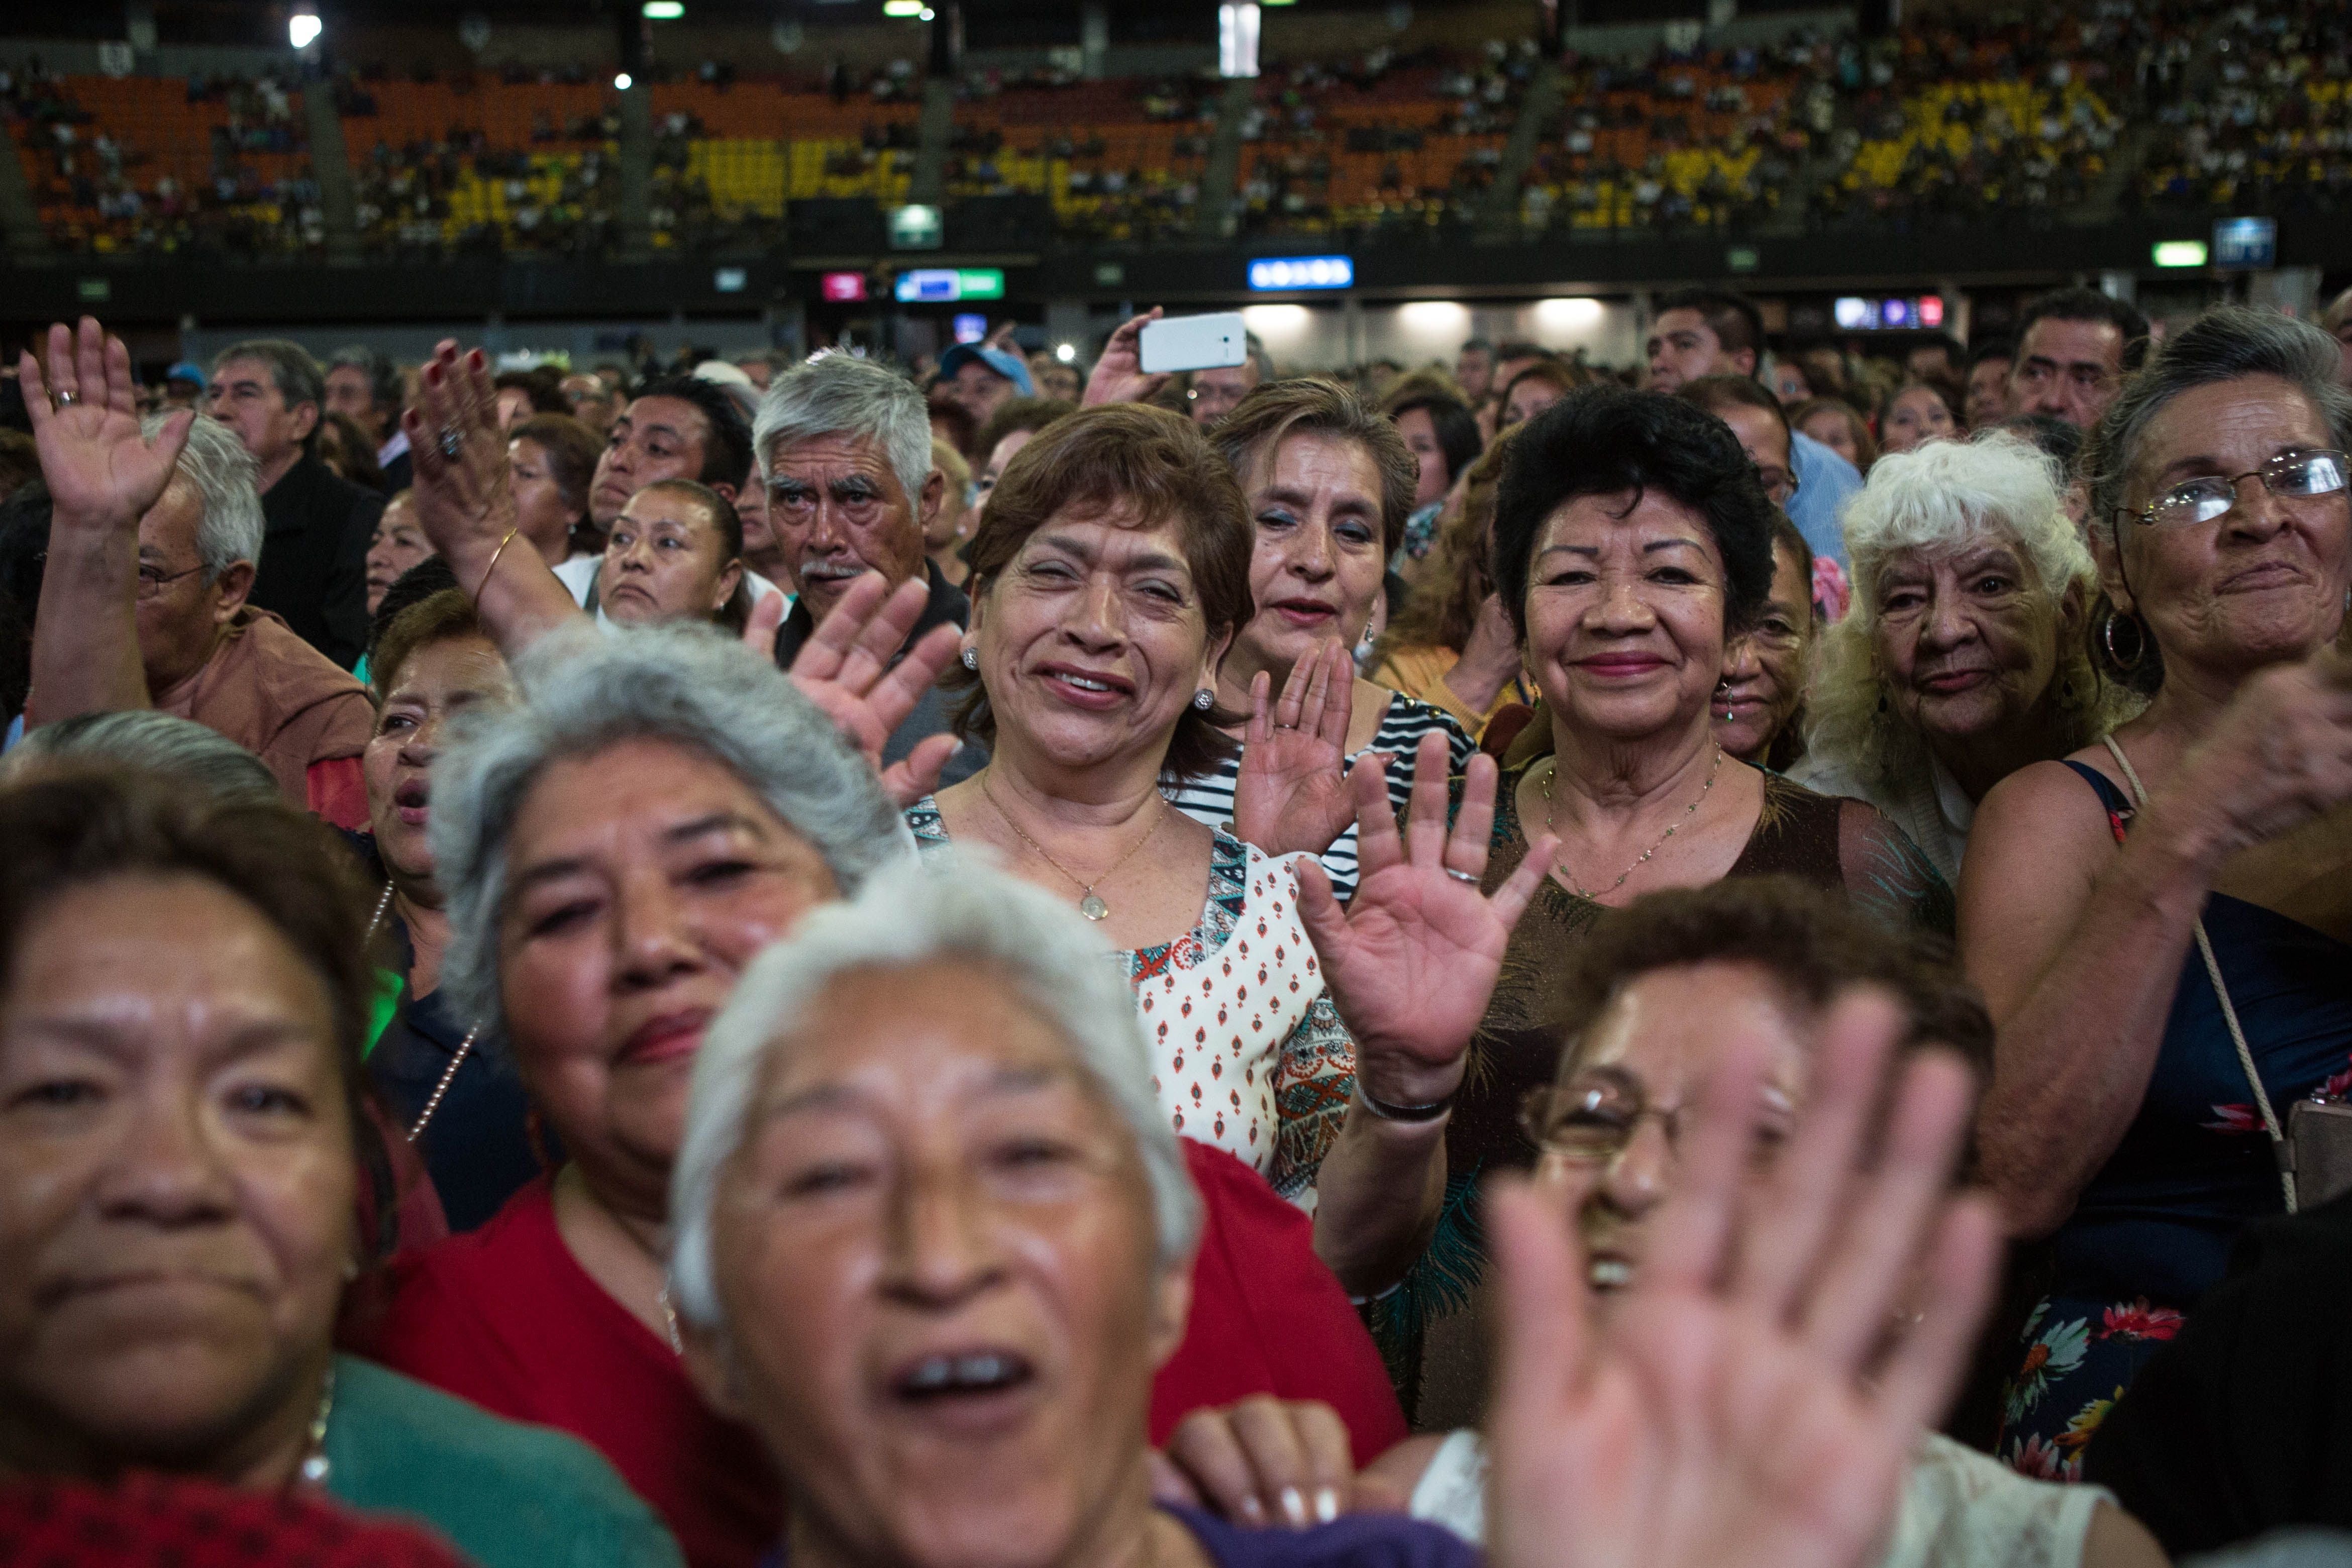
(663, 10)
(303, 28)
(620, 83)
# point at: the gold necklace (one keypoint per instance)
(1090, 904)
(465, 1045)
(1639, 861)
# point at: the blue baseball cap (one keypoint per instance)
(1009, 366)
(186, 370)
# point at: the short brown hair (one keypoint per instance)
(1716, 393)
(72, 827)
(1815, 941)
(440, 617)
(1159, 463)
(1865, 445)
(1030, 413)
(572, 449)
(1276, 412)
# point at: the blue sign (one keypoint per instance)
(2246, 245)
(1287, 272)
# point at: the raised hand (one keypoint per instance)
(1117, 376)
(1291, 794)
(1753, 1401)
(845, 669)
(1412, 958)
(100, 470)
(465, 499)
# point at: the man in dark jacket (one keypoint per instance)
(314, 560)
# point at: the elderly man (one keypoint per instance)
(1473, 370)
(847, 447)
(270, 393)
(153, 535)
(594, 401)
(1708, 332)
(981, 380)
(2074, 348)
(1214, 392)
(367, 386)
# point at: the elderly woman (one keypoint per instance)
(675, 553)
(1453, 645)
(2160, 922)
(1963, 658)
(932, 1233)
(1765, 669)
(453, 1094)
(1919, 411)
(662, 806)
(1650, 998)
(1633, 542)
(552, 458)
(1442, 435)
(1328, 483)
(1109, 575)
(186, 1157)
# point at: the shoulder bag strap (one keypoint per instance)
(2228, 1010)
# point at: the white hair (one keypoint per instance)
(192, 755)
(584, 692)
(226, 481)
(1939, 498)
(841, 394)
(950, 909)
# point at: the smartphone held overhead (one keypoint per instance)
(1195, 343)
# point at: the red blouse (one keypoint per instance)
(505, 1316)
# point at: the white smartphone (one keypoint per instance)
(1195, 343)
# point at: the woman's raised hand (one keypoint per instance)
(1755, 1399)
(1411, 959)
(845, 668)
(2280, 754)
(100, 470)
(1117, 376)
(1291, 793)
(465, 502)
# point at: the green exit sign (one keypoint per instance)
(94, 290)
(1742, 259)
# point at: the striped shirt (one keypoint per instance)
(1210, 797)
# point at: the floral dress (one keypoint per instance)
(1248, 1055)
(2152, 1230)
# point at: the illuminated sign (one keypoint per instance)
(2249, 244)
(1287, 272)
(949, 285)
(841, 287)
(1904, 313)
(2178, 253)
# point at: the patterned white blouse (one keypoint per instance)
(1248, 1055)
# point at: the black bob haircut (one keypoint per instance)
(726, 451)
(1606, 441)
(1455, 426)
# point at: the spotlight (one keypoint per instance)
(1066, 353)
(303, 28)
(620, 83)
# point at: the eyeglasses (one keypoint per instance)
(1591, 1119)
(1781, 484)
(152, 581)
(2292, 475)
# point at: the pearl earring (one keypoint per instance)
(1204, 699)
(970, 660)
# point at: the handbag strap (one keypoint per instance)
(2221, 991)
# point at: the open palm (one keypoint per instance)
(1292, 792)
(98, 465)
(1747, 1404)
(851, 668)
(1412, 958)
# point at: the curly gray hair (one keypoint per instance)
(584, 691)
(908, 915)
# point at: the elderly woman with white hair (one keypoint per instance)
(1964, 657)
(932, 1233)
(612, 852)
(2159, 921)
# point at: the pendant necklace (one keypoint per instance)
(465, 1045)
(1090, 904)
(1639, 861)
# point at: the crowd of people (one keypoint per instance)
(875, 970)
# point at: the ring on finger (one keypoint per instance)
(1469, 876)
(66, 399)
(453, 442)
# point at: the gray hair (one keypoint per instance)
(226, 480)
(292, 371)
(181, 749)
(583, 691)
(1939, 498)
(841, 394)
(910, 914)
(386, 387)
(2227, 343)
